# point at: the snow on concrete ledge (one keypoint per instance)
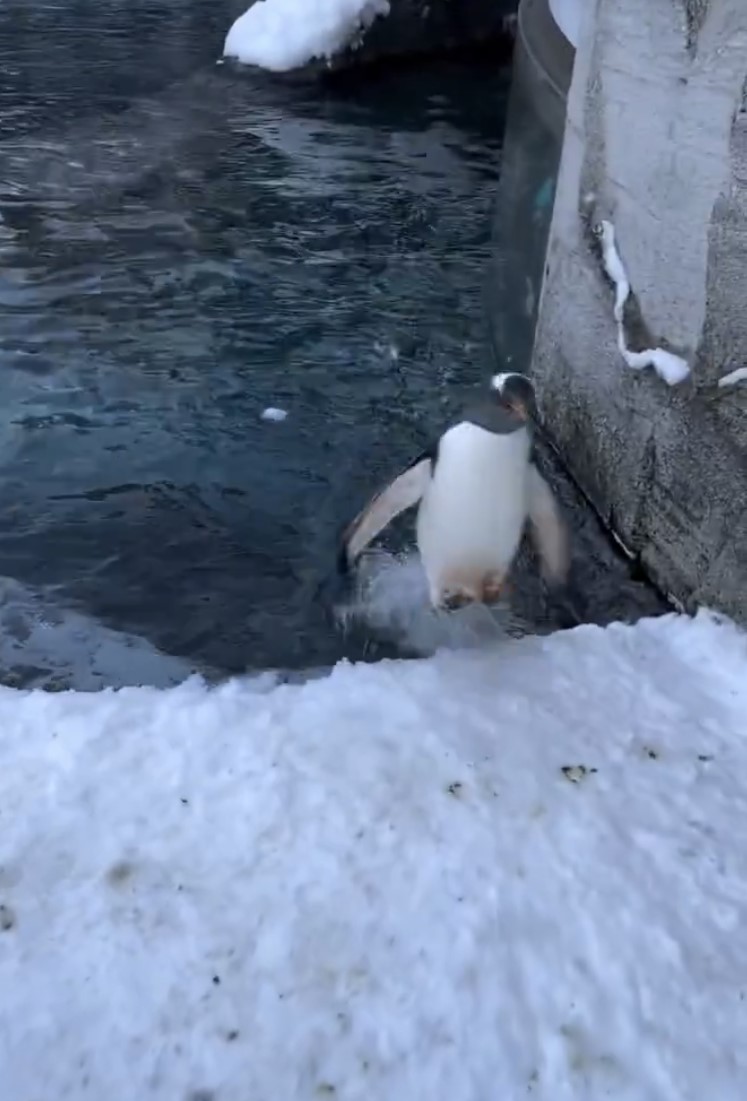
(734, 377)
(281, 35)
(671, 368)
(506, 873)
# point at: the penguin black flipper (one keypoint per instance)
(549, 531)
(403, 493)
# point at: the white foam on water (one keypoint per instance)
(44, 645)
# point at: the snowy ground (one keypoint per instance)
(500, 873)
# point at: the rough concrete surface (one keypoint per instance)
(656, 141)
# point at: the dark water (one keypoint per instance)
(183, 245)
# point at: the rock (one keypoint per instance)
(416, 27)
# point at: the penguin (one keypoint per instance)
(475, 488)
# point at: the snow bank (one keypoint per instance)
(286, 34)
(501, 873)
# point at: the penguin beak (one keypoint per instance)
(531, 415)
(526, 410)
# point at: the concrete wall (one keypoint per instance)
(656, 142)
(568, 15)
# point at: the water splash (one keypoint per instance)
(390, 599)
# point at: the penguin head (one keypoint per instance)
(516, 392)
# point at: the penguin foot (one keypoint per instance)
(459, 596)
(452, 602)
(493, 590)
(490, 591)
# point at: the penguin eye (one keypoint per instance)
(519, 396)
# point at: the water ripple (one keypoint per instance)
(172, 270)
(182, 248)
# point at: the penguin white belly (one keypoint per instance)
(472, 515)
